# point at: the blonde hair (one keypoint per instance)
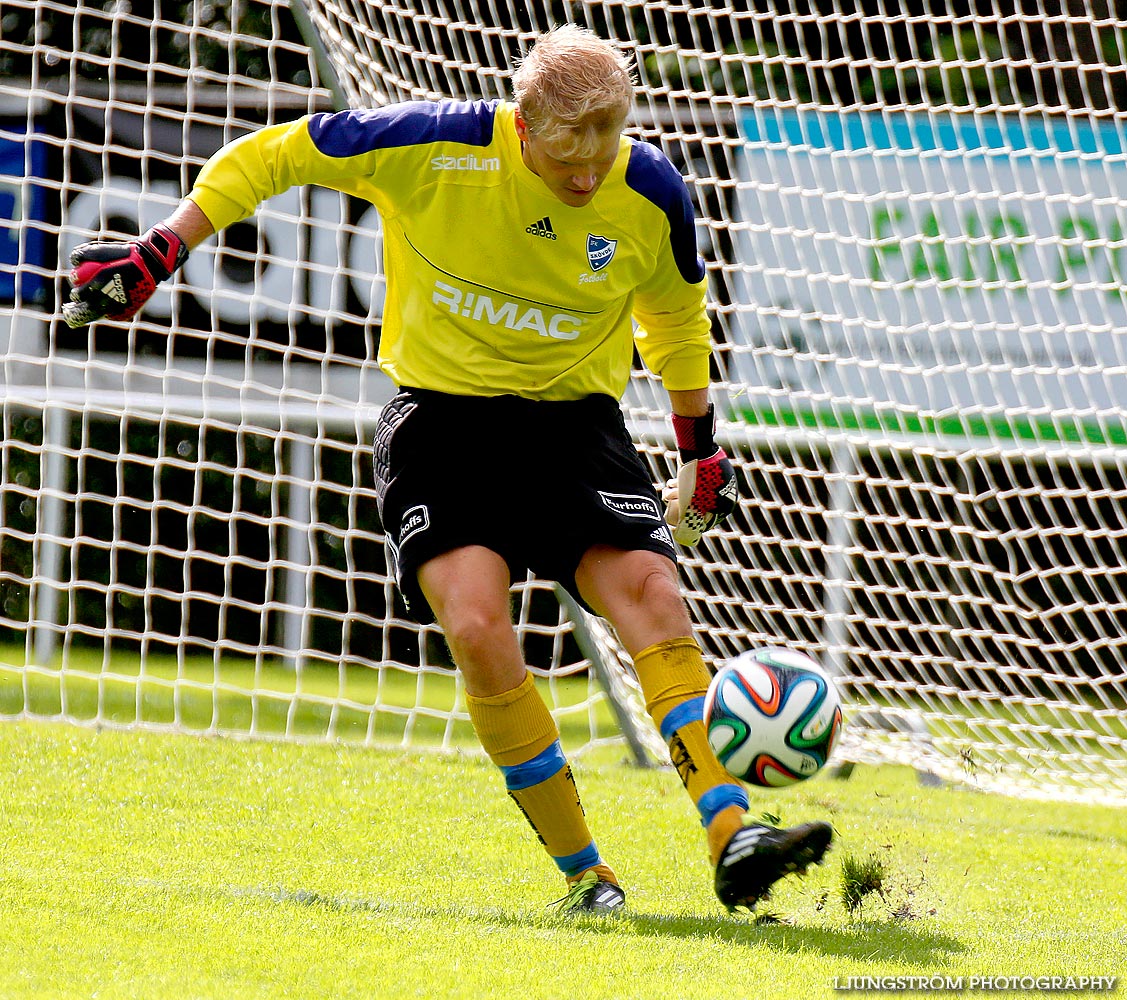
(574, 88)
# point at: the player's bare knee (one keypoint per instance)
(638, 591)
(652, 606)
(659, 590)
(667, 606)
(475, 630)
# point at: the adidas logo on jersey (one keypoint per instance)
(542, 227)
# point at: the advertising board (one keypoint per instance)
(916, 272)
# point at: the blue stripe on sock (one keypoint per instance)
(532, 772)
(688, 711)
(580, 861)
(717, 799)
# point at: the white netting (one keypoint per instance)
(188, 534)
(915, 236)
(915, 231)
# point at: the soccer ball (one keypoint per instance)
(773, 716)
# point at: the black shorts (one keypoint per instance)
(538, 482)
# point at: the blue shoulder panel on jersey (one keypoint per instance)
(651, 174)
(413, 123)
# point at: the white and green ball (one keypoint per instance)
(773, 716)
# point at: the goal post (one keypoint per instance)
(914, 230)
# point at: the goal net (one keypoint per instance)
(915, 242)
(188, 535)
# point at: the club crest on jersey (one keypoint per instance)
(600, 251)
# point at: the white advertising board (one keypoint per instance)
(924, 273)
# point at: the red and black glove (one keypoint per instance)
(705, 490)
(112, 280)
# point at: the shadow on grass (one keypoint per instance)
(869, 940)
(888, 940)
(1087, 836)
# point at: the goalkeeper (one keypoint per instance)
(520, 240)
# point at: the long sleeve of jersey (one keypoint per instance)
(494, 286)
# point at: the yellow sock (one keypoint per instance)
(674, 681)
(519, 734)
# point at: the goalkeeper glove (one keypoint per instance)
(113, 280)
(705, 490)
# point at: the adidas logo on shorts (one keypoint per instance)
(542, 227)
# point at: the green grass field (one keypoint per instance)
(138, 865)
(234, 696)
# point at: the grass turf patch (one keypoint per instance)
(146, 865)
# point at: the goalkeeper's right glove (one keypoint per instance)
(113, 280)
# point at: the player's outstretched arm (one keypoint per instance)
(113, 279)
(705, 491)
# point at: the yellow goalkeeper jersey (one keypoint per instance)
(494, 285)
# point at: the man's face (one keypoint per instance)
(573, 179)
